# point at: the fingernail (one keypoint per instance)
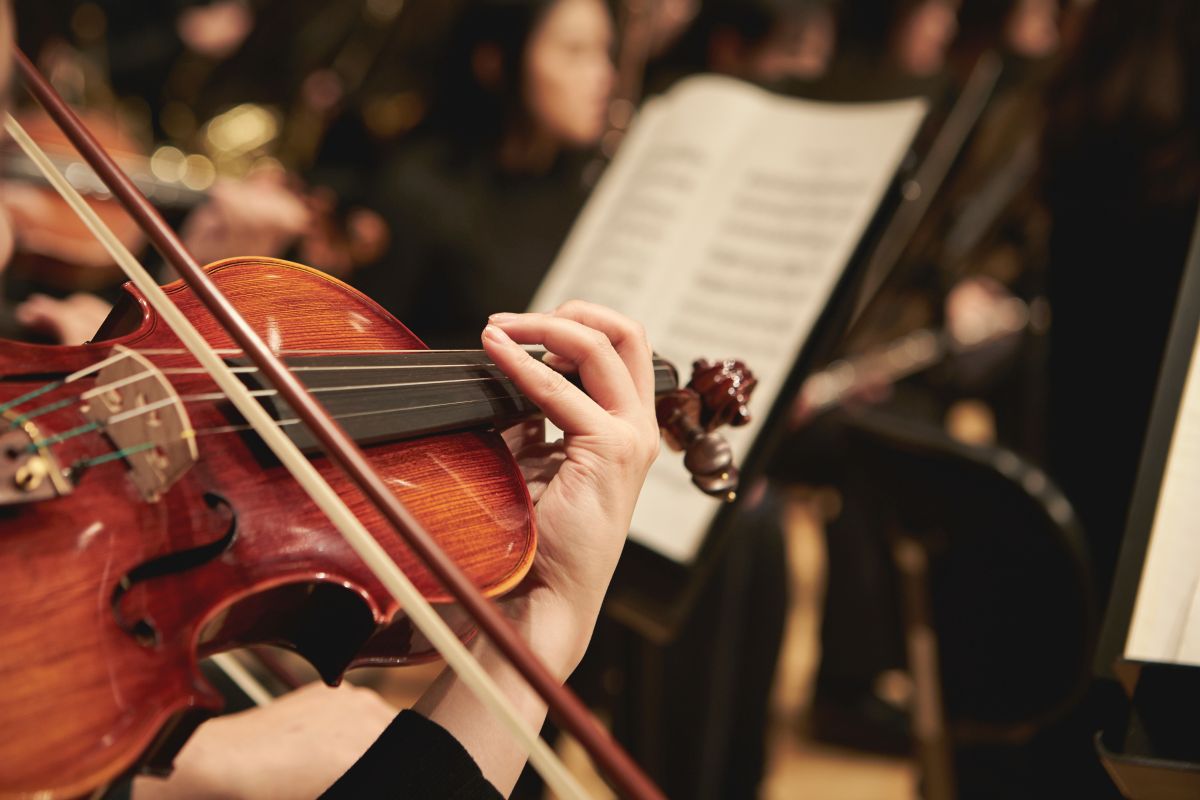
(503, 316)
(496, 334)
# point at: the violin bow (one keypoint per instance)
(242, 679)
(567, 709)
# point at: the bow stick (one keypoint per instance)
(342, 450)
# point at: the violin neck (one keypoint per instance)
(380, 397)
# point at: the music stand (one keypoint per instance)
(1156, 754)
(652, 594)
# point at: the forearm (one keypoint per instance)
(583, 511)
(557, 637)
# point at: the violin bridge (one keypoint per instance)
(138, 409)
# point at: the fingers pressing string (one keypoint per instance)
(628, 339)
(565, 405)
(605, 375)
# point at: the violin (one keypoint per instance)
(145, 527)
(141, 528)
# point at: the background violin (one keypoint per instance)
(144, 527)
(262, 212)
(55, 247)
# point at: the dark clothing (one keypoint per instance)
(1117, 259)
(467, 238)
(414, 757)
(1122, 183)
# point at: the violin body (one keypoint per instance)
(109, 598)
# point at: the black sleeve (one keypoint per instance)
(414, 757)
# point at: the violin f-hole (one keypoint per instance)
(142, 628)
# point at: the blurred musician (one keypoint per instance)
(763, 41)
(950, 275)
(158, 71)
(986, 230)
(483, 195)
(911, 36)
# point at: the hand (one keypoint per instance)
(979, 310)
(340, 246)
(73, 320)
(294, 748)
(259, 216)
(585, 488)
(215, 30)
(586, 485)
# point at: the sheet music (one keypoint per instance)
(1166, 615)
(723, 226)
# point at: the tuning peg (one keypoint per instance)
(722, 484)
(724, 388)
(717, 395)
(707, 454)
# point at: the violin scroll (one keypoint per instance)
(724, 388)
(717, 395)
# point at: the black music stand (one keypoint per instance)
(1155, 754)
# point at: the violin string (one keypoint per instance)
(84, 463)
(21, 419)
(659, 365)
(218, 396)
(117, 384)
(49, 441)
(155, 406)
(343, 368)
(351, 415)
(16, 401)
(98, 390)
(149, 408)
(213, 396)
(210, 396)
(225, 429)
(293, 421)
(198, 371)
(227, 351)
(52, 385)
(99, 365)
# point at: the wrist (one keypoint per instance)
(558, 632)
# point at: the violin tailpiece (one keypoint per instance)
(28, 473)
